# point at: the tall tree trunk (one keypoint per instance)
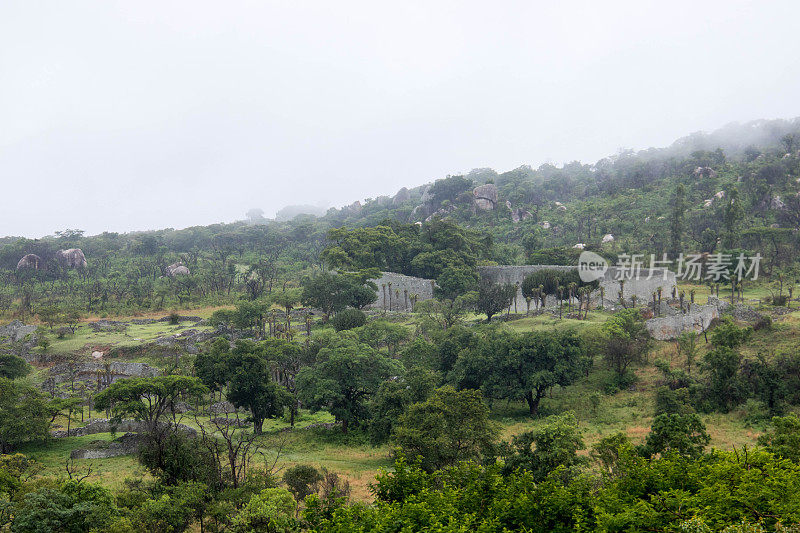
(533, 402)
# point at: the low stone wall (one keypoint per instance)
(397, 292)
(125, 445)
(104, 425)
(106, 372)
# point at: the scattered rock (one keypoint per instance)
(704, 172)
(227, 421)
(108, 325)
(221, 408)
(777, 203)
(125, 445)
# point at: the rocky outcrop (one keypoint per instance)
(16, 331)
(698, 319)
(354, 208)
(71, 258)
(421, 211)
(426, 195)
(777, 203)
(30, 261)
(107, 325)
(176, 269)
(441, 212)
(704, 172)
(402, 196)
(485, 197)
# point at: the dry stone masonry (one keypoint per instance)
(397, 292)
(642, 287)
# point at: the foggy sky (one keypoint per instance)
(140, 115)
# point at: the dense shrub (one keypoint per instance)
(348, 319)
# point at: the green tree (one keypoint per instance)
(393, 398)
(450, 426)
(728, 335)
(684, 434)
(251, 386)
(687, 347)
(70, 506)
(13, 367)
(334, 292)
(494, 298)
(732, 215)
(725, 388)
(625, 340)
(553, 445)
(302, 481)
(783, 439)
(513, 366)
(150, 400)
(348, 319)
(270, 511)
(449, 188)
(343, 378)
(677, 219)
(444, 313)
(24, 416)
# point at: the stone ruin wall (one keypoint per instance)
(107, 372)
(400, 295)
(404, 288)
(642, 287)
(698, 319)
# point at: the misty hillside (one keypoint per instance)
(628, 195)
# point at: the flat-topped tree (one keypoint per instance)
(149, 400)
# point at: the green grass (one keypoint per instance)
(85, 340)
(52, 457)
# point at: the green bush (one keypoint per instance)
(348, 319)
(302, 480)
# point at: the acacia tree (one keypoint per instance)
(151, 401)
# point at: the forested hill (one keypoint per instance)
(735, 188)
(630, 196)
